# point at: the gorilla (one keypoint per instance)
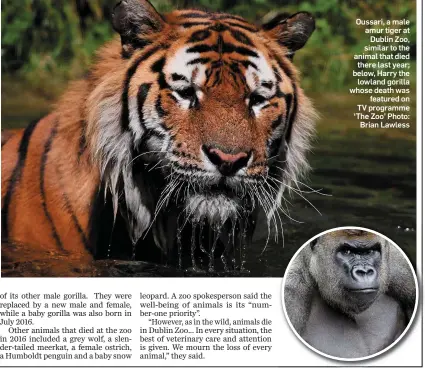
(350, 294)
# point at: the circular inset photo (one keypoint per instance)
(350, 293)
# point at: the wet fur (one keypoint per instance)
(57, 171)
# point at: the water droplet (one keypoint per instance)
(193, 246)
(133, 256)
(201, 238)
(214, 245)
(179, 246)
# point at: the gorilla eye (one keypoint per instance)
(347, 251)
(313, 243)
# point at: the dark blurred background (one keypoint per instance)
(369, 173)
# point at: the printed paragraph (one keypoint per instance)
(61, 326)
(382, 71)
(182, 330)
(81, 326)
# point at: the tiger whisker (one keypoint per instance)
(318, 191)
(166, 192)
(286, 213)
(269, 200)
(153, 167)
(142, 154)
(275, 214)
(298, 192)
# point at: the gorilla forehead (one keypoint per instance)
(355, 238)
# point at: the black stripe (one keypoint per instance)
(234, 17)
(208, 74)
(158, 106)
(125, 119)
(141, 99)
(241, 37)
(293, 114)
(178, 77)
(149, 133)
(285, 68)
(224, 48)
(268, 85)
(235, 79)
(195, 15)
(274, 146)
(158, 65)
(217, 76)
(194, 24)
(289, 119)
(294, 99)
(274, 104)
(219, 27)
(279, 93)
(16, 176)
(247, 63)
(136, 43)
(235, 68)
(220, 44)
(251, 29)
(202, 48)
(277, 122)
(199, 35)
(169, 94)
(277, 74)
(44, 157)
(217, 63)
(199, 61)
(162, 83)
(288, 100)
(228, 48)
(155, 133)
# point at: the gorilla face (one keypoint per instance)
(359, 264)
(347, 266)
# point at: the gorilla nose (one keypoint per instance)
(227, 163)
(364, 273)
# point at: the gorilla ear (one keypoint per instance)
(134, 20)
(313, 243)
(291, 31)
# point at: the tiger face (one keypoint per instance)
(211, 106)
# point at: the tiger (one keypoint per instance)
(192, 116)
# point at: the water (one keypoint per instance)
(370, 175)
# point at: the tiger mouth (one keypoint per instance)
(215, 209)
(220, 189)
(206, 196)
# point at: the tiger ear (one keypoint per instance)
(291, 31)
(134, 20)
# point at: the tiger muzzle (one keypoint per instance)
(227, 163)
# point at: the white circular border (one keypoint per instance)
(369, 356)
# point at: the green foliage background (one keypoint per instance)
(369, 172)
(47, 42)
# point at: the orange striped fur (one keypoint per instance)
(214, 99)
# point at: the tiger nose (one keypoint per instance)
(227, 163)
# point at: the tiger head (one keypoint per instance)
(209, 116)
